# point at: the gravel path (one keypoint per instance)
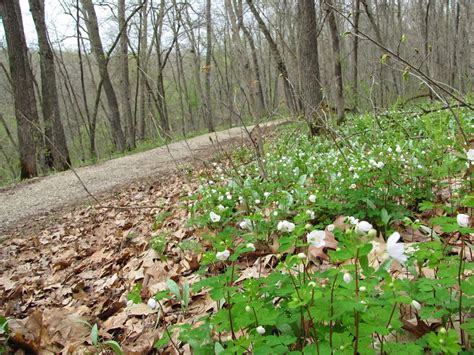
(44, 195)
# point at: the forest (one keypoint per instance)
(339, 223)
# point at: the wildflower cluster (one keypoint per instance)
(327, 283)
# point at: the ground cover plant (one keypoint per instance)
(357, 241)
(359, 244)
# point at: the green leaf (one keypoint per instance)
(468, 201)
(383, 58)
(218, 348)
(364, 263)
(290, 198)
(426, 205)
(365, 249)
(370, 203)
(174, 288)
(403, 38)
(406, 74)
(3, 325)
(161, 295)
(185, 295)
(161, 343)
(384, 216)
(134, 295)
(95, 334)
(112, 344)
(340, 255)
(302, 180)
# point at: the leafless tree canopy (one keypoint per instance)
(144, 71)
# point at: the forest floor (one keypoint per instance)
(60, 249)
(27, 205)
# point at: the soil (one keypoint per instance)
(29, 205)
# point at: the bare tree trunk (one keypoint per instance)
(355, 53)
(426, 46)
(309, 65)
(209, 119)
(125, 82)
(456, 14)
(91, 124)
(143, 70)
(8, 132)
(238, 54)
(262, 110)
(378, 36)
(256, 66)
(182, 83)
(160, 85)
(22, 83)
(54, 130)
(340, 109)
(290, 94)
(96, 44)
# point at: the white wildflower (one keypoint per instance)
(285, 226)
(301, 256)
(470, 154)
(363, 227)
(152, 303)
(246, 224)
(223, 255)
(416, 305)
(316, 238)
(214, 217)
(347, 277)
(396, 250)
(353, 220)
(463, 220)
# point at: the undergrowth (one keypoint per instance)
(331, 283)
(355, 242)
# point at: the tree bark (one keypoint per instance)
(98, 50)
(355, 54)
(426, 46)
(309, 65)
(143, 70)
(290, 94)
(22, 84)
(125, 80)
(337, 61)
(54, 130)
(262, 110)
(207, 78)
(161, 103)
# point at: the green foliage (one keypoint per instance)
(135, 294)
(385, 176)
(4, 334)
(158, 244)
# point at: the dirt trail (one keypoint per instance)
(48, 194)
